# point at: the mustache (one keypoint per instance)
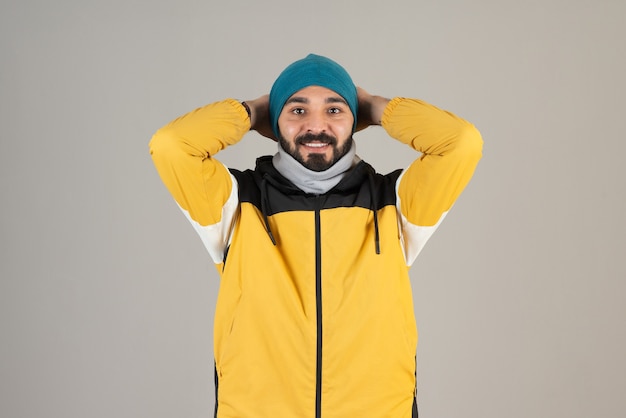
(320, 137)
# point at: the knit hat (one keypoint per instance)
(313, 70)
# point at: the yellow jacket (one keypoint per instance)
(314, 316)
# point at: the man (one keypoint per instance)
(314, 315)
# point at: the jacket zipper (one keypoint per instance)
(318, 307)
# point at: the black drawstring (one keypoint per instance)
(374, 202)
(264, 209)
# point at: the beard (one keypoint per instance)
(316, 161)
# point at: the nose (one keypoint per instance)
(316, 122)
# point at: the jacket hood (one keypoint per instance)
(361, 174)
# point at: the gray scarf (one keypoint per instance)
(315, 182)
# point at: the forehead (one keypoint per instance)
(315, 92)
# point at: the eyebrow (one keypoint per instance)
(304, 100)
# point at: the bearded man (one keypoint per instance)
(314, 315)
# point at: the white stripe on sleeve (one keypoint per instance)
(216, 237)
(413, 237)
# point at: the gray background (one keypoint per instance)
(106, 293)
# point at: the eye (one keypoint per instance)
(334, 110)
(297, 111)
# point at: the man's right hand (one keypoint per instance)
(260, 116)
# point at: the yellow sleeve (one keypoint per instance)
(183, 152)
(451, 148)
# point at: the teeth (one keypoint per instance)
(316, 144)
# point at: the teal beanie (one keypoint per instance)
(314, 70)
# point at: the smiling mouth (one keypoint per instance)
(315, 144)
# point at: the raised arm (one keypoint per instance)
(183, 152)
(451, 148)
